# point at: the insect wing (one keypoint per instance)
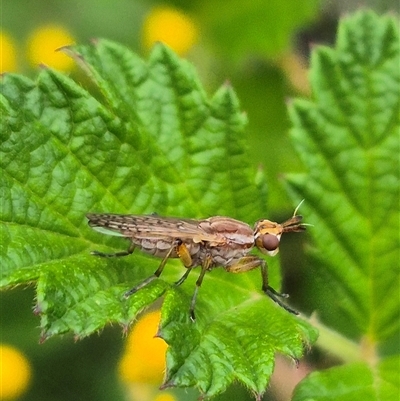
(150, 227)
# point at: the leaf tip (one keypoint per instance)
(37, 310)
(77, 337)
(95, 41)
(289, 101)
(167, 384)
(43, 337)
(71, 51)
(64, 49)
(125, 329)
(160, 51)
(296, 362)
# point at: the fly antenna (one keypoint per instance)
(298, 207)
(295, 214)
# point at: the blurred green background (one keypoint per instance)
(260, 47)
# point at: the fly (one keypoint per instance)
(214, 242)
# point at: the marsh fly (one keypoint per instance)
(209, 243)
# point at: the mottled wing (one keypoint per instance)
(150, 227)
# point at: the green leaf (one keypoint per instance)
(356, 381)
(209, 359)
(348, 137)
(149, 141)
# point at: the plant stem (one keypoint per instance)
(336, 344)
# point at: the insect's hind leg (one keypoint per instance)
(184, 277)
(155, 275)
(129, 251)
(204, 268)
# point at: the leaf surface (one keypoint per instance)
(148, 141)
(348, 137)
(353, 382)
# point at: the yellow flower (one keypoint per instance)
(296, 69)
(15, 372)
(170, 26)
(42, 46)
(8, 59)
(165, 397)
(144, 357)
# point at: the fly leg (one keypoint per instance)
(273, 294)
(265, 287)
(184, 277)
(129, 251)
(251, 262)
(186, 258)
(155, 275)
(204, 267)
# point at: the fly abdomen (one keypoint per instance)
(156, 247)
(161, 247)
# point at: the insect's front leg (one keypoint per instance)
(129, 251)
(245, 264)
(273, 294)
(251, 262)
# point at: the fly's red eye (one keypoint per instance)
(270, 242)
